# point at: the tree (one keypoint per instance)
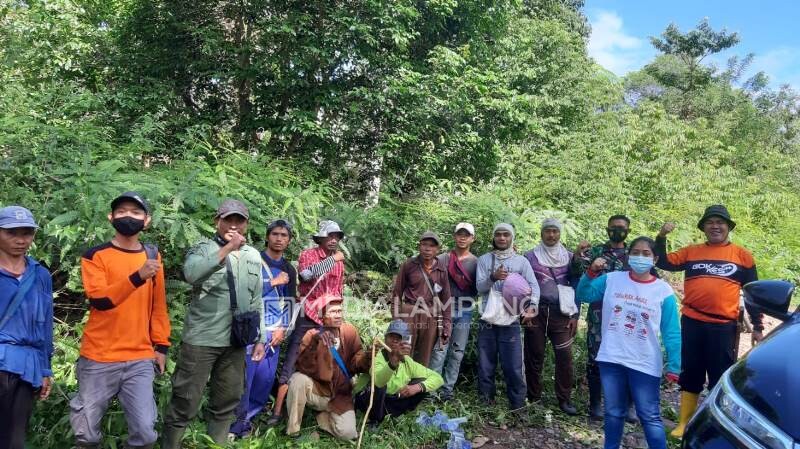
(682, 67)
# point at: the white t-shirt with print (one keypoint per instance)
(632, 322)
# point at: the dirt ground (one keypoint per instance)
(558, 431)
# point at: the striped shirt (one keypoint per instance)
(312, 265)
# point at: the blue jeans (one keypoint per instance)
(447, 360)
(259, 378)
(504, 342)
(618, 381)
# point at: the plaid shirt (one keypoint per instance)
(332, 283)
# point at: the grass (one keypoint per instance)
(50, 427)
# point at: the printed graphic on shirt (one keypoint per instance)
(717, 269)
(616, 318)
(645, 321)
(630, 322)
(634, 313)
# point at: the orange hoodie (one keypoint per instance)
(128, 316)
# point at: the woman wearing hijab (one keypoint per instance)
(557, 319)
(637, 306)
(498, 329)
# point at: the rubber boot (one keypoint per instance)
(595, 396)
(688, 406)
(218, 430)
(171, 437)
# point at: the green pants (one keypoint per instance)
(226, 367)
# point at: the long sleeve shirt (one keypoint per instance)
(316, 361)
(487, 265)
(395, 379)
(209, 317)
(128, 315)
(26, 341)
(276, 308)
(411, 286)
(713, 276)
(312, 265)
(634, 313)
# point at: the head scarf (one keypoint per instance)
(551, 256)
(508, 252)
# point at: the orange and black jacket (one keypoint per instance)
(128, 315)
(714, 274)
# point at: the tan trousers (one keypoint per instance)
(301, 393)
(424, 331)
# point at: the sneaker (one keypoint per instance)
(568, 408)
(273, 420)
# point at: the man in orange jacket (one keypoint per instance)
(126, 339)
(714, 271)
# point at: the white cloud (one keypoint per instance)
(781, 64)
(611, 47)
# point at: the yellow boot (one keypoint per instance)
(688, 406)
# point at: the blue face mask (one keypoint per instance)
(640, 264)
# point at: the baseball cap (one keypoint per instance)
(230, 207)
(131, 196)
(12, 217)
(465, 226)
(430, 235)
(398, 327)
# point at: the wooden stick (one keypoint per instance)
(371, 389)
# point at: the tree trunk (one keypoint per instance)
(374, 182)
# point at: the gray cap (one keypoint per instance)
(12, 217)
(231, 207)
(430, 235)
(398, 327)
(328, 227)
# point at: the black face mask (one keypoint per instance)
(128, 226)
(617, 235)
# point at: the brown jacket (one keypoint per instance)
(316, 361)
(409, 287)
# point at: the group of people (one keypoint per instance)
(245, 303)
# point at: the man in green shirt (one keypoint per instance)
(400, 382)
(206, 348)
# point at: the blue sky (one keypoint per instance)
(621, 29)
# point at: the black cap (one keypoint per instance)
(716, 210)
(131, 196)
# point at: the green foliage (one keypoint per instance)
(67, 174)
(390, 117)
